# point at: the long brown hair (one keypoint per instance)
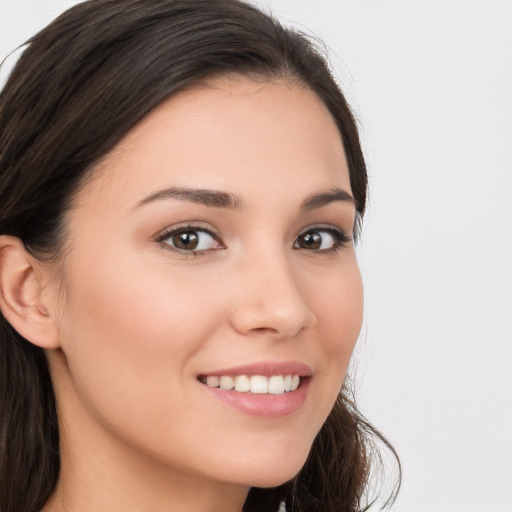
(79, 87)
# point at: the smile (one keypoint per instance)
(256, 384)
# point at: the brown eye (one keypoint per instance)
(187, 240)
(328, 239)
(190, 240)
(311, 240)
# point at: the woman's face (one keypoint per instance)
(212, 245)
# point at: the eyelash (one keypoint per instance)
(340, 239)
(185, 229)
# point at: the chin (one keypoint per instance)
(275, 479)
(271, 472)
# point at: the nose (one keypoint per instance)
(270, 300)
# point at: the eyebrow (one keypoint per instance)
(324, 198)
(211, 198)
(218, 199)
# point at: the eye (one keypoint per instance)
(321, 239)
(190, 239)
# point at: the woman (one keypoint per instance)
(181, 183)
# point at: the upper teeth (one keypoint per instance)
(275, 385)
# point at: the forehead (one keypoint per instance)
(233, 134)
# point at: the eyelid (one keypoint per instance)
(342, 238)
(324, 227)
(187, 226)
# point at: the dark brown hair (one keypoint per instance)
(79, 87)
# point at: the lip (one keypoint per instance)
(265, 368)
(263, 405)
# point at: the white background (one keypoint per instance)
(431, 85)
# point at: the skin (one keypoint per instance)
(137, 322)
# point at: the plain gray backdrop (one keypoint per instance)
(431, 85)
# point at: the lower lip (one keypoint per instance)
(263, 405)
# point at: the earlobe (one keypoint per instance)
(23, 300)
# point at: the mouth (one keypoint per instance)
(254, 384)
(268, 389)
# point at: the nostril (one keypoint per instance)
(264, 329)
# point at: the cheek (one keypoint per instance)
(135, 307)
(131, 334)
(339, 310)
(339, 313)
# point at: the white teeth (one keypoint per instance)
(242, 383)
(276, 385)
(213, 381)
(287, 383)
(257, 384)
(227, 383)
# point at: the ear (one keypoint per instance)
(23, 298)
